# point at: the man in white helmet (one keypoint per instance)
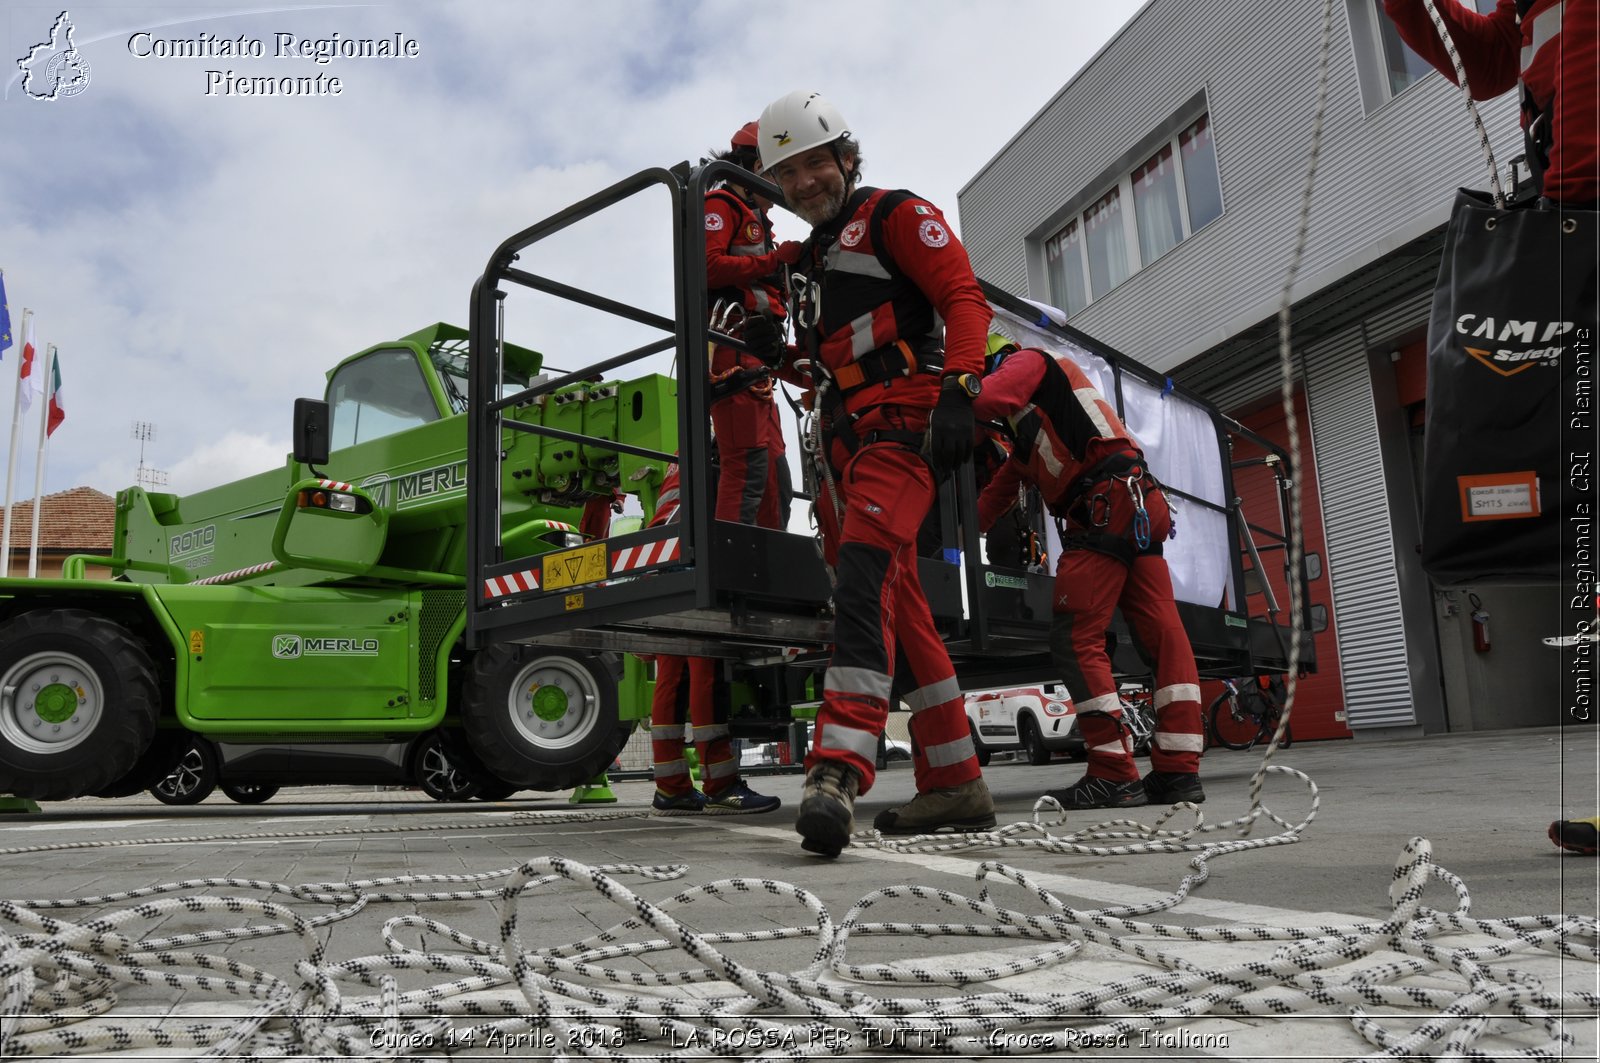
(893, 328)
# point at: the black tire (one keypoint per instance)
(985, 754)
(249, 793)
(1032, 741)
(159, 760)
(193, 779)
(1232, 725)
(436, 771)
(541, 719)
(84, 705)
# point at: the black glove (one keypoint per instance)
(950, 429)
(765, 339)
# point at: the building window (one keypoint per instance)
(1155, 205)
(1064, 263)
(1106, 243)
(1148, 211)
(1403, 66)
(1200, 183)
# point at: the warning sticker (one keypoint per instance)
(573, 568)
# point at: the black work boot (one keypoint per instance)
(1170, 787)
(1092, 792)
(827, 808)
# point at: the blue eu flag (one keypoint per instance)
(5, 317)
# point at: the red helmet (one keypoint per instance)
(745, 137)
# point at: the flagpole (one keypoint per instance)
(11, 455)
(38, 472)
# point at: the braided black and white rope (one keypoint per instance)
(1466, 95)
(591, 999)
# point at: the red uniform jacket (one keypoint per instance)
(741, 262)
(1063, 427)
(1555, 54)
(866, 307)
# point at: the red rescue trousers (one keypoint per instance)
(883, 630)
(1090, 584)
(691, 681)
(750, 441)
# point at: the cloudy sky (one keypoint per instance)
(202, 259)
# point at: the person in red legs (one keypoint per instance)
(893, 332)
(1071, 445)
(744, 269)
(692, 682)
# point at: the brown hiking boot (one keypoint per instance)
(966, 807)
(827, 808)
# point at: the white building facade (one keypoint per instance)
(1155, 198)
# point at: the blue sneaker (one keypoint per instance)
(740, 800)
(691, 803)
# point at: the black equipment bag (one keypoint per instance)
(1510, 436)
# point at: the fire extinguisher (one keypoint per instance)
(1480, 624)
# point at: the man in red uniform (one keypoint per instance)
(693, 680)
(744, 269)
(1555, 52)
(894, 332)
(1072, 446)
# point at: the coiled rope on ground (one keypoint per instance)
(595, 999)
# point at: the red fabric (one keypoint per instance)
(667, 499)
(886, 492)
(666, 723)
(1089, 586)
(596, 520)
(740, 260)
(1563, 76)
(1007, 393)
(733, 231)
(750, 441)
(943, 274)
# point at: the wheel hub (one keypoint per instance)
(56, 703)
(549, 703)
(49, 702)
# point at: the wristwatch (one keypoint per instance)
(967, 382)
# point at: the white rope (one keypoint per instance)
(1466, 94)
(596, 998)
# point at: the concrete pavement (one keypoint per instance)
(1482, 801)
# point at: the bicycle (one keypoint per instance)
(1241, 716)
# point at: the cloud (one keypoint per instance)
(203, 260)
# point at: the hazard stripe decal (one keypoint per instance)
(513, 583)
(660, 552)
(656, 553)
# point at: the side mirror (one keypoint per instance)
(311, 423)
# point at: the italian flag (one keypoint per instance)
(58, 411)
(30, 382)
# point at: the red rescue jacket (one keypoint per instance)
(894, 278)
(1061, 425)
(1555, 53)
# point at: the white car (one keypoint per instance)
(1038, 720)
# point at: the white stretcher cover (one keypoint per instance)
(1184, 449)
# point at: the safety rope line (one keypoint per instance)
(1466, 94)
(592, 998)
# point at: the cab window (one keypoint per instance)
(379, 395)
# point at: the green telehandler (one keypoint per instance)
(312, 618)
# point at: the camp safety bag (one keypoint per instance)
(1508, 460)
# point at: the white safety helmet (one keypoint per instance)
(797, 123)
